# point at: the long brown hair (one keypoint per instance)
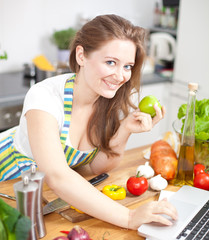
(105, 119)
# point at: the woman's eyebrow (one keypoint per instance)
(114, 58)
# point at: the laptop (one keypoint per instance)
(188, 202)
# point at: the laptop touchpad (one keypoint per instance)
(184, 209)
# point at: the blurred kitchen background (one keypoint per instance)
(177, 49)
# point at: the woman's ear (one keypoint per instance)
(79, 55)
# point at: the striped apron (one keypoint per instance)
(13, 163)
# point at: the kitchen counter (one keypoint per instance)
(96, 228)
(154, 78)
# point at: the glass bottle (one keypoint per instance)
(184, 174)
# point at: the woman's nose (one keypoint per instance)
(119, 75)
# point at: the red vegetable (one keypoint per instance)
(199, 168)
(64, 231)
(201, 180)
(163, 159)
(78, 233)
(137, 185)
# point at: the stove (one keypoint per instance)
(13, 88)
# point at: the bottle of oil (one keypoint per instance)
(184, 174)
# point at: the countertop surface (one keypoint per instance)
(96, 228)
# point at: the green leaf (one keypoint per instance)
(3, 233)
(202, 136)
(16, 225)
(8, 215)
(201, 118)
(22, 228)
(182, 111)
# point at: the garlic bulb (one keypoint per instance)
(158, 183)
(145, 170)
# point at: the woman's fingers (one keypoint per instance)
(160, 114)
(164, 207)
(160, 219)
(157, 211)
(144, 119)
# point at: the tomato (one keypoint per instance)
(199, 168)
(147, 105)
(137, 185)
(202, 181)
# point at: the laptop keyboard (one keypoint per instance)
(198, 228)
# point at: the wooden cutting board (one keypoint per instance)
(74, 216)
(119, 177)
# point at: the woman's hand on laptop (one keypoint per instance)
(152, 212)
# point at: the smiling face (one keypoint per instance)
(105, 70)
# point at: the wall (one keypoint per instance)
(26, 25)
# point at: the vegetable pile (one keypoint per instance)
(13, 225)
(145, 178)
(201, 177)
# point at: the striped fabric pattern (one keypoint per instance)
(12, 163)
(73, 156)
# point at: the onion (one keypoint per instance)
(78, 233)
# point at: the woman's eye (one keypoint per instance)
(128, 67)
(110, 63)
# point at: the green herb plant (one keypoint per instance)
(3, 56)
(63, 38)
(13, 225)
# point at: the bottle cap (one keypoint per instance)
(193, 86)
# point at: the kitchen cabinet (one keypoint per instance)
(162, 91)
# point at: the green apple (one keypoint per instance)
(146, 105)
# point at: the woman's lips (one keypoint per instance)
(112, 86)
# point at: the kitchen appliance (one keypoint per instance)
(162, 46)
(13, 89)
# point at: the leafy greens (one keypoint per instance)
(201, 118)
(13, 225)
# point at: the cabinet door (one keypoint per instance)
(162, 92)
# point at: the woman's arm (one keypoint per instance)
(135, 122)
(70, 186)
(66, 183)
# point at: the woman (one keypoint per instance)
(81, 118)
